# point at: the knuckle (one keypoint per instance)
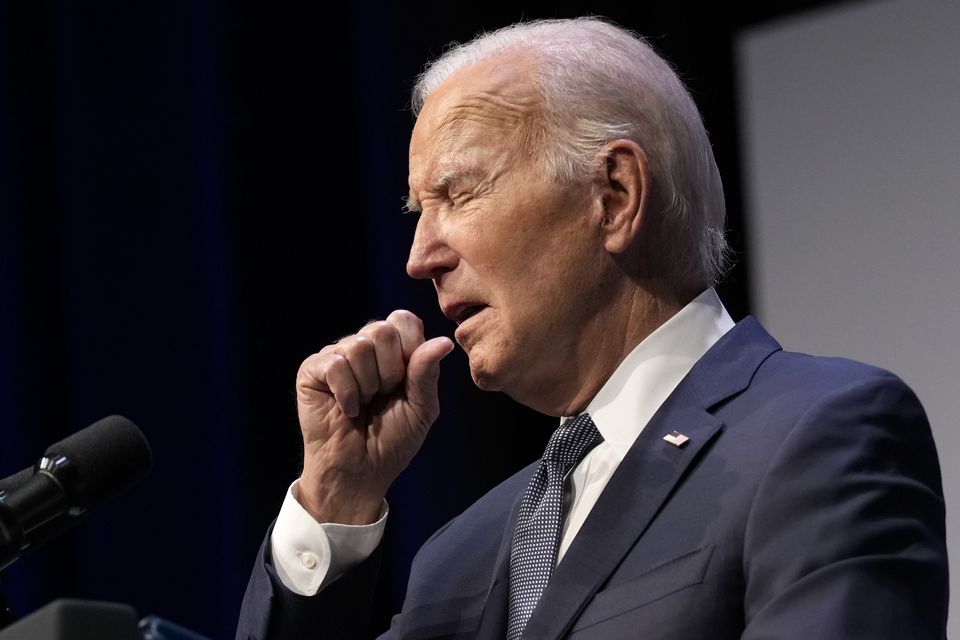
(332, 364)
(315, 371)
(362, 344)
(379, 330)
(405, 317)
(353, 346)
(326, 350)
(307, 368)
(302, 378)
(335, 360)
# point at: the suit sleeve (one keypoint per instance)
(340, 611)
(846, 535)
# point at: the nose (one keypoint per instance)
(430, 256)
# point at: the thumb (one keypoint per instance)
(423, 370)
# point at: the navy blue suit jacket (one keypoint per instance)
(806, 504)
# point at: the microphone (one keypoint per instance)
(48, 530)
(11, 483)
(74, 475)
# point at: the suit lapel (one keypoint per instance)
(631, 499)
(646, 477)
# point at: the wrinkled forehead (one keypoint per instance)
(476, 106)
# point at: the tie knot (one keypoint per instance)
(570, 442)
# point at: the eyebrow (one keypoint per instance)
(444, 179)
(410, 204)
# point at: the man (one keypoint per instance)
(708, 485)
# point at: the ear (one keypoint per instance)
(624, 192)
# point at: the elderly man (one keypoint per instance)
(705, 484)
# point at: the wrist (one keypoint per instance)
(331, 502)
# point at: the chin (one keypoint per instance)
(484, 375)
(484, 379)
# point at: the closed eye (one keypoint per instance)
(459, 199)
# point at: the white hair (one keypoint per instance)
(601, 83)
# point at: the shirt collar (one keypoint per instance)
(650, 373)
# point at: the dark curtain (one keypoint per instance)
(194, 196)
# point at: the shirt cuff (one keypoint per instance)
(308, 555)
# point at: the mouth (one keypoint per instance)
(462, 312)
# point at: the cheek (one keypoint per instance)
(565, 271)
(531, 325)
(539, 289)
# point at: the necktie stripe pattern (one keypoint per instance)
(535, 541)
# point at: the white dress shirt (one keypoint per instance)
(308, 555)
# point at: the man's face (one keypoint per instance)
(513, 255)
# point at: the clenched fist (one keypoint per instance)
(365, 405)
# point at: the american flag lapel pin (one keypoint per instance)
(676, 438)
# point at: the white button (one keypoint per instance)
(308, 560)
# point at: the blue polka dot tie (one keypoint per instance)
(536, 539)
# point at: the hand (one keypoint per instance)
(365, 405)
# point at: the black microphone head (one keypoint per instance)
(103, 460)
